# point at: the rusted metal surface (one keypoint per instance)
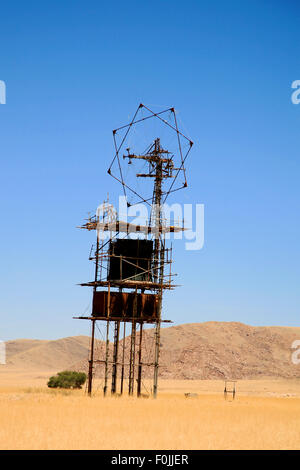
(130, 284)
(130, 259)
(115, 358)
(123, 319)
(91, 361)
(139, 379)
(122, 305)
(125, 227)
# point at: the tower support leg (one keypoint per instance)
(91, 361)
(156, 358)
(115, 358)
(132, 359)
(106, 359)
(139, 380)
(123, 359)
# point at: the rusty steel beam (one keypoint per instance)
(139, 380)
(115, 358)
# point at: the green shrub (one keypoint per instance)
(67, 379)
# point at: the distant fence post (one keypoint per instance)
(232, 390)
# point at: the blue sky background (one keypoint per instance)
(74, 71)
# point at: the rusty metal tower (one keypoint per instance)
(131, 273)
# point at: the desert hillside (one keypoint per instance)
(46, 354)
(213, 350)
(210, 350)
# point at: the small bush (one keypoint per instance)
(67, 379)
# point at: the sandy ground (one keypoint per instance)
(264, 415)
(17, 379)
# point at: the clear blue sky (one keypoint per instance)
(75, 70)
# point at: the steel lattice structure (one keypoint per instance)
(130, 274)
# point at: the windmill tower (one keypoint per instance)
(131, 274)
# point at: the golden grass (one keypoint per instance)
(39, 418)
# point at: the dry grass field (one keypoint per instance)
(264, 415)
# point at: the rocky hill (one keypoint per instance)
(210, 350)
